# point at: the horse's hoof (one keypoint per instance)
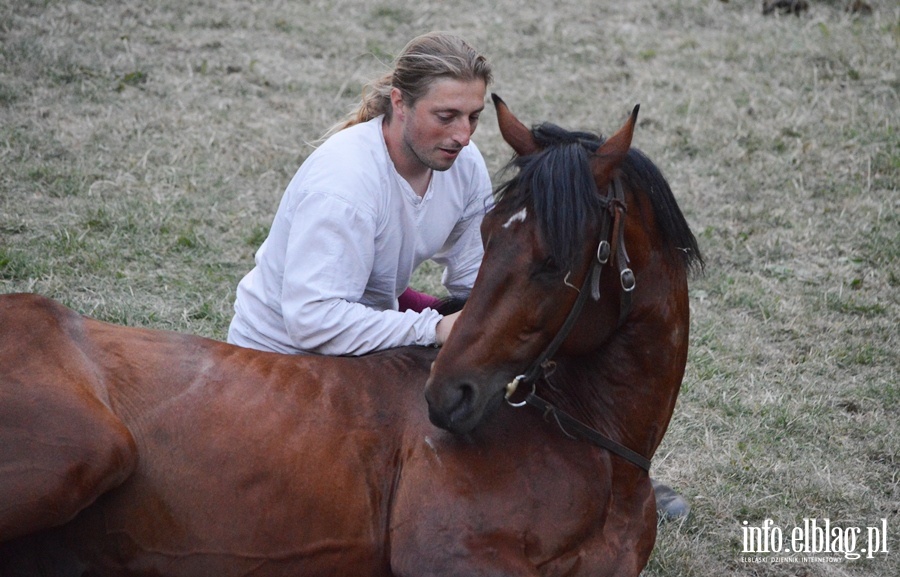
(670, 506)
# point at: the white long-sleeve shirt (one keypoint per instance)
(346, 238)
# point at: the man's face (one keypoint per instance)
(440, 123)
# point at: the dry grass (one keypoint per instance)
(144, 147)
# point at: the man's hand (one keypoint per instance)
(444, 326)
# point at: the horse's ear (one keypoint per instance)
(514, 132)
(612, 152)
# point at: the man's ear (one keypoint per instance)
(398, 106)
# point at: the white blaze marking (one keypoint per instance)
(518, 217)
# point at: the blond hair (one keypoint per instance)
(423, 60)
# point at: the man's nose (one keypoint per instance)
(462, 132)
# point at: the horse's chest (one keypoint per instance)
(467, 502)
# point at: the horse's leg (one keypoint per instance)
(61, 446)
(60, 449)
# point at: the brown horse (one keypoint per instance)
(127, 451)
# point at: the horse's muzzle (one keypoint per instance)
(452, 406)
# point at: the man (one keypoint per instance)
(398, 183)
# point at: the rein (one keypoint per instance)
(611, 242)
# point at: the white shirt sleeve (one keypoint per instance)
(328, 261)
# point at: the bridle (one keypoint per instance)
(612, 242)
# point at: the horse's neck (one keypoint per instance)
(616, 393)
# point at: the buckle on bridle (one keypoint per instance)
(603, 251)
(627, 279)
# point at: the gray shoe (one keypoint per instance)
(670, 506)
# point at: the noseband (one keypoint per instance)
(612, 242)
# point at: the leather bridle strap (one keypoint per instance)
(626, 275)
(611, 242)
(568, 423)
(536, 370)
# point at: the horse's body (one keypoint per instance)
(129, 451)
(178, 455)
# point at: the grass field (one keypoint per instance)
(144, 147)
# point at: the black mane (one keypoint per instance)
(568, 200)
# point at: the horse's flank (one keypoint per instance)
(222, 455)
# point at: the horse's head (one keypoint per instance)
(541, 242)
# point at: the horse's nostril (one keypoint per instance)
(466, 392)
(462, 405)
(437, 418)
(456, 410)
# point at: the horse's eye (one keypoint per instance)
(546, 268)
